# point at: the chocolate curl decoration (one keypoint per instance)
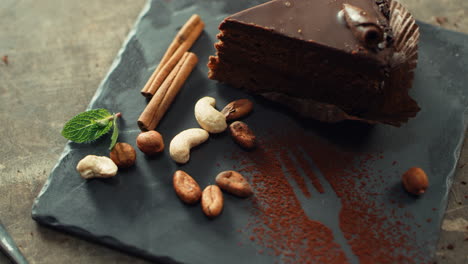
(364, 26)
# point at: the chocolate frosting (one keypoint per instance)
(363, 25)
(311, 20)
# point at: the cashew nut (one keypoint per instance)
(180, 146)
(208, 117)
(93, 166)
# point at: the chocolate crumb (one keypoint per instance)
(450, 247)
(441, 20)
(5, 59)
(463, 182)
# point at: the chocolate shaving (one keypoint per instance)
(363, 25)
(384, 7)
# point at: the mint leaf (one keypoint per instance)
(115, 133)
(88, 126)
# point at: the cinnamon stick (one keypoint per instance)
(148, 116)
(183, 41)
(159, 104)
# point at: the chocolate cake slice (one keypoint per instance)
(328, 60)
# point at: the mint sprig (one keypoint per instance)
(90, 125)
(115, 133)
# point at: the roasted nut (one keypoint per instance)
(212, 201)
(208, 117)
(93, 166)
(233, 182)
(237, 109)
(150, 142)
(242, 134)
(123, 155)
(180, 145)
(186, 187)
(415, 181)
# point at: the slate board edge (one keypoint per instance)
(113, 66)
(103, 240)
(78, 231)
(119, 245)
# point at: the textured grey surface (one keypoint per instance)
(135, 210)
(59, 51)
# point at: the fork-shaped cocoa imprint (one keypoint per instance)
(317, 197)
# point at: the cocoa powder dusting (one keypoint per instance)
(5, 59)
(280, 225)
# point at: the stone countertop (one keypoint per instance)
(58, 52)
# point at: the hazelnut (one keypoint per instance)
(123, 155)
(150, 142)
(415, 181)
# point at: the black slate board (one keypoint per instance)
(138, 212)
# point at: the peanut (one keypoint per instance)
(237, 109)
(212, 201)
(186, 187)
(233, 182)
(242, 135)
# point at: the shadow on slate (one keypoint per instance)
(138, 211)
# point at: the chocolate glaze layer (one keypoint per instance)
(312, 20)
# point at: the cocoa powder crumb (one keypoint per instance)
(282, 226)
(450, 246)
(5, 59)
